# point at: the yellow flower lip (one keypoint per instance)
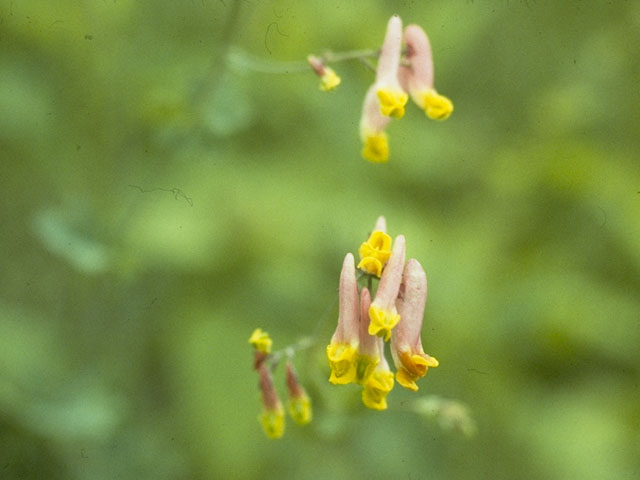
(392, 102)
(413, 367)
(382, 322)
(376, 148)
(436, 106)
(375, 253)
(343, 360)
(261, 341)
(329, 80)
(366, 366)
(371, 265)
(300, 409)
(376, 388)
(273, 422)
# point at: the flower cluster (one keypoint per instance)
(356, 352)
(400, 74)
(299, 405)
(395, 81)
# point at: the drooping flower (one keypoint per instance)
(375, 252)
(382, 312)
(406, 345)
(373, 370)
(391, 95)
(385, 98)
(342, 352)
(329, 79)
(417, 77)
(272, 416)
(299, 401)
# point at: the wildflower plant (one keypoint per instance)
(398, 303)
(398, 76)
(272, 417)
(369, 318)
(404, 70)
(382, 296)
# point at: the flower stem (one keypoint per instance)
(245, 61)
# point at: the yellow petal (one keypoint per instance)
(329, 80)
(382, 322)
(273, 422)
(392, 102)
(343, 360)
(300, 409)
(436, 106)
(261, 341)
(376, 389)
(376, 148)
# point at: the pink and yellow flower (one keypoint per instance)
(406, 345)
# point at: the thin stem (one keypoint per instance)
(332, 57)
(245, 61)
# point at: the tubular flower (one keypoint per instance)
(329, 79)
(372, 124)
(299, 401)
(382, 312)
(272, 416)
(375, 252)
(385, 98)
(406, 346)
(417, 78)
(342, 352)
(373, 370)
(390, 94)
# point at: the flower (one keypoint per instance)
(382, 312)
(406, 346)
(375, 252)
(373, 370)
(390, 94)
(342, 352)
(329, 79)
(261, 341)
(299, 401)
(417, 77)
(385, 98)
(272, 416)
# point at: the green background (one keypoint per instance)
(162, 198)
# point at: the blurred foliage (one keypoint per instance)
(162, 200)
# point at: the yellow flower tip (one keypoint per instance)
(406, 379)
(414, 367)
(329, 80)
(382, 322)
(376, 148)
(371, 265)
(261, 341)
(300, 409)
(273, 422)
(380, 242)
(392, 102)
(375, 253)
(366, 366)
(432, 362)
(343, 360)
(436, 106)
(376, 389)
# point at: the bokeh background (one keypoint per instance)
(167, 187)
